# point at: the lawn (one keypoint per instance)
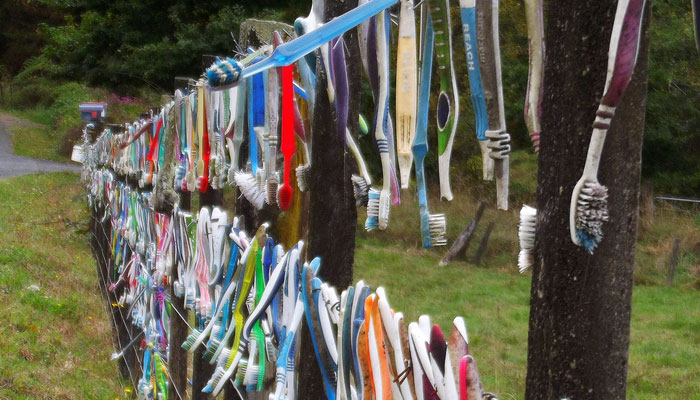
(57, 340)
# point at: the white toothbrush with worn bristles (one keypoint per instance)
(526, 235)
(589, 200)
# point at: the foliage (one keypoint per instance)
(130, 44)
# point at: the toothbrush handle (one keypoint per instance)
(604, 115)
(293, 50)
(288, 145)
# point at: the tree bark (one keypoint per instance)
(578, 338)
(332, 212)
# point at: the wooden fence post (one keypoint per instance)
(462, 242)
(674, 261)
(482, 246)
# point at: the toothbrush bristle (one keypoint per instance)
(211, 348)
(270, 350)
(384, 209)
(360, 188)
(272, 184)
(591, 212)
(215, 379)
(301, 171)
(248, 185)
(191, 338)
(223, 72)
(438, 229)
(526, 234)
(372, 221)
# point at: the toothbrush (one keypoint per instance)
(433, 226)
(271, 138)
(381, 131)
(406, 90)
(362, 182)
(457, 347)
(469, 30)
(390, 321)
(238, 128)
(448, 100)
(533, 96)
(310, 289)
(377, 58)
(526, 235)
(490, 68)
(442, 365)
(288, 143)
(589, 205)
(304, 44)
(308, 24)
(377, 350)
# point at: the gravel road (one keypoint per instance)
(13, 165)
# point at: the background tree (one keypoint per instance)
(580, 303)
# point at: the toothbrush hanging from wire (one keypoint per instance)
(433, 226)
(406, 90)
(490, 67)
(533, 96)
(230, 71)
(469, 30)
(448, 99)
(379, 205)
(589, 200)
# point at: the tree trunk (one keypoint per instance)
(580, 304)
(332, 213)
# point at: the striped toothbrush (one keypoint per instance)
(381, 131)
(448, 99)
(433, 226)
(469, 30)
(589, 200)
(490, 68)
(533, 97)
(406, 90)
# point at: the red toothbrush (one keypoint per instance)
(284, 196)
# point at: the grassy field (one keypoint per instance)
(55, 341)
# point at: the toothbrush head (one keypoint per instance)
(438, 229)
(384, 208)
(302, 177)
(191, 338)
(211, 348)
(215, 379)
(270, 349)
(248, 185)
(360, 188)
(271, 193)
(591, 212)
(526, 234)
(223, 72)
(372, 221)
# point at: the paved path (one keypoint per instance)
(13, 165)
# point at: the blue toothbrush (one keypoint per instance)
(468, 11)
(433, 226)
(293, 50)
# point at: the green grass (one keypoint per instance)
(665, 344)
(32, 139)
(56, 342)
